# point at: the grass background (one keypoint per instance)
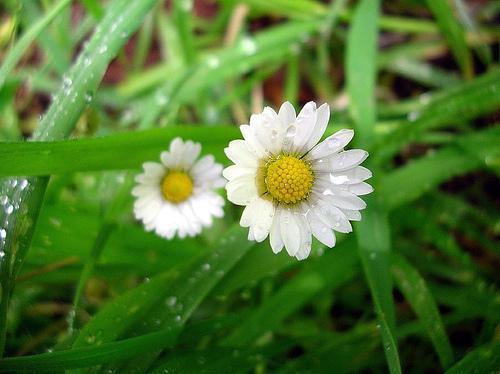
(100, 87)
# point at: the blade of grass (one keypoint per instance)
(458, 103)
(415, 290)
(417, 177)
(454, 34)
(373, 231)
(24, 197)
(485, 359)
(28, 37)
(361, 69)
(120, 151)
(329, 271)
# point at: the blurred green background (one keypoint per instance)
(85, 289)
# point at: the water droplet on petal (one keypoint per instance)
(291, 131)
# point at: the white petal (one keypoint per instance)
(340, 161)
(352, 215)
(360, 188)
(332, 144)
(320, 230)
(262, 224)
(153, 169)
(275, 233)
(351, 176)
(305, 236)
(241, 191)
(251, 138)
(268, 130)
(239, 153)
(235, 171)
(286, 114)
(297, 134)
(322, 118)
(290, 231)
(344, 199)
(333, 217)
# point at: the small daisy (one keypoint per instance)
(293, 187)
(176, 196)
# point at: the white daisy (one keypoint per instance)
(176, 196)
(291, 186)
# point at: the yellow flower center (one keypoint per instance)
(176, 186)
(288, 179)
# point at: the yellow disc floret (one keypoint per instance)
(288, 179)
(176, 186)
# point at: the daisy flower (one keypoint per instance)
(177, 195)
(293, 187)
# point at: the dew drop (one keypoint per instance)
(171, 301)
(103, 49)
(291, 131)
(88, 96)
(213, 62)
(9, 209)
(413, 116)
(206, 267)
(177, 318)
(249, 46)
(333, 143)
(3, 234)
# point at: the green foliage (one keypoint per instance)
(101, 87)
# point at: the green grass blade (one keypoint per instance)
(373, 231)
(454, 34)
(329, 271)
(485, 359)
(93, 345)
(373, 235)
(415, 290)
(28, 37)
(417, 177)
(361, 69)
(458, 103)
(24, 197)
(120, 151)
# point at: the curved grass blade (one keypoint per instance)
(119, 151)
(485, 359)
(28, 37)
(165, 305)
(415, 290)
(458, 103)
(417, 177)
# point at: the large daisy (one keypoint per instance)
(177, 195)
(293, 187)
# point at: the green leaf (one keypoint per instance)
(415, 290)
(484, 359)
(121, 151)
(454, 33)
